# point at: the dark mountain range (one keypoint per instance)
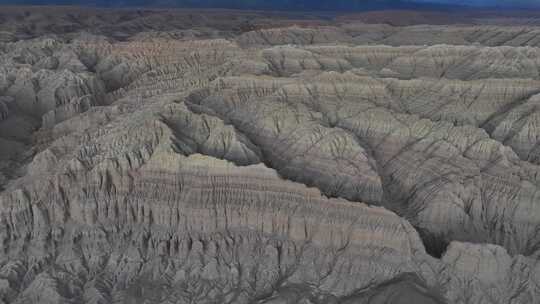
(337, 5)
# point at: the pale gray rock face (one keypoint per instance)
(267, 159)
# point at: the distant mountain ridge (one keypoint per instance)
(337, 5)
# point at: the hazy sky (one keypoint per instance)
(286, 4)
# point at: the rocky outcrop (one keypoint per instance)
(294, 35)
(446, 179)
(251, 233)
(500, 277)
(408, 62)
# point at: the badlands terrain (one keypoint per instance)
(216, 156)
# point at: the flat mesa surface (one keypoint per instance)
(219, 156)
